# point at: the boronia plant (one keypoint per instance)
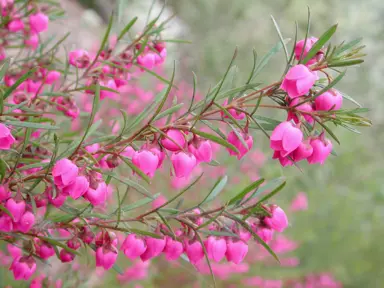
(72, 136)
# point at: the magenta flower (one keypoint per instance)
(194, 251)
(6, 138)
(285, 138)
(308, 45)
(303, 151)
(298, 81)
(23, 267)
(78, 188)
(330, 100)
(106, 257)
(16, 25)
(64, 173)
(26, 222)
(177, 137)
(278, 221)
(322, 147)
(183, 163)
(201, 149)
(216, 248)
(17, 209)
(300, 202)
(236, 251)
(66, 256)
(38, 22)
(147, 161)
(97, 196)
(79, 58)
(133, 246)
(235, 113)
(173, 249)
(154, 247)
(305, 107)
(235, 141)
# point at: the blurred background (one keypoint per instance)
(343, 230)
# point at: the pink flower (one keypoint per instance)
(173, 249)
(97, 196)
(6, 138)
(16, 25)
(154, 247)
(308, 45)
(305, 107)
(147, 60)
(26, 222)
(14, 251)
(17, 209)
(201, 149)
(216, 248)
(236, 250)
(235, 141)
(235, 113)
(300, 202)
(64, 173)
(278, 221)
(284, 161)
(23, 267)
(3, 55)
(322, 147)
(78, 188)
(147, 161)
(159, 201)
(330, 100)
(38, 22)
(157, 150)
(302, 152)
(183, 163)
(177, 137)
(44, 250)
(79, 58)
(194, 251)
(133, 246)
(106, 93)
(66, 256)
(285, 138)
(264, 233)
(106, 257)
(6, 224)
(52, 77)
(4, 193)
(298, 81)
(32, 41)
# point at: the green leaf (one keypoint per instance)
(4, 68)
(139, 203)
(281, 38)
(350, 99)
(136, 169)
(158, 110)
(169, 111)
(345, 63)
(60, 244)
(329, 131)
(271, 185)
(264, 61)
(6, 211)
(146, 233)
(127, 28)
(146, 112)
(162, 79)
(272, 193)
(95, 108)
(3, 169)
(306, 36)
(320, 43)
(215, 139)
(217, 188)
(348, 46)
(239, 197)
(31, 125)
(131, 183)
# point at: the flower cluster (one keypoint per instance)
(74, 133)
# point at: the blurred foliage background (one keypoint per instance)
(343, 230)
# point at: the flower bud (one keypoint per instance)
(183, 163)
(236, 250)
(278, 221)
(177, 143)
(23, 267)
(235, 141)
